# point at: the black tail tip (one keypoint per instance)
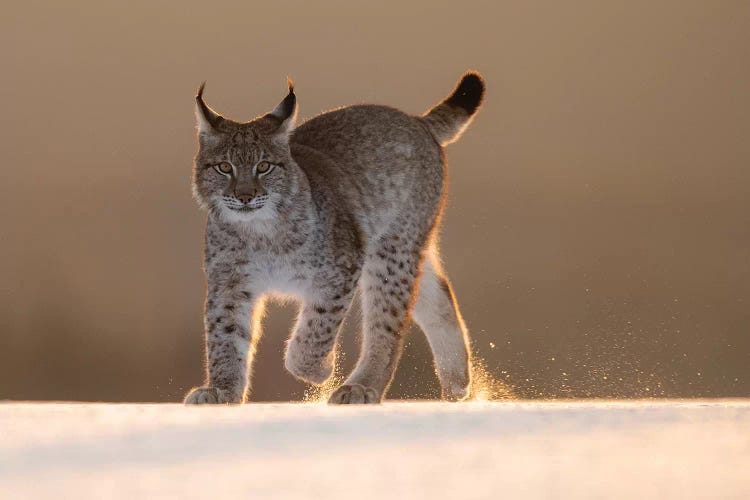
(469, 93)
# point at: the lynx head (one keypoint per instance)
(244, 171)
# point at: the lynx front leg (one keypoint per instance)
(230, 346)
(310, 355)
(388, 284)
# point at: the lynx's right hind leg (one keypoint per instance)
(436, 312)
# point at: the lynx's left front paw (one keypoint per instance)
(354, 394)
(207, 396)
(306, 365)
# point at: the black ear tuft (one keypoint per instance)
(469, 93)
(286, 111)
(206, 115)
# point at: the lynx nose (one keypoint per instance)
(244, 198)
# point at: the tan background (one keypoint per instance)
(597, 233)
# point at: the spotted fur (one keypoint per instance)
(350, 199)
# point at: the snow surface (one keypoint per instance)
(697, 449)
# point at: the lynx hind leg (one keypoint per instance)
(436, 312)
(388, 281)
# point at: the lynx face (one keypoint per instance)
(244, 171)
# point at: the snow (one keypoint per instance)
(399, 450)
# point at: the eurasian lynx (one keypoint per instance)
(349, 199)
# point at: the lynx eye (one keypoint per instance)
(263, 167)
(223, 168)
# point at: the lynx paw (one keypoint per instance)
(207, 396)
(455, 388)
(354, 394)
(455, 393)
(306, 367)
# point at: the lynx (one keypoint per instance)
(349, 200)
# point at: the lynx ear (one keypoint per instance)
(286, 111)
(208, 119)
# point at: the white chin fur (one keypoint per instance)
(265, 213)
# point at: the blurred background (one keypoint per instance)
(597, 234)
